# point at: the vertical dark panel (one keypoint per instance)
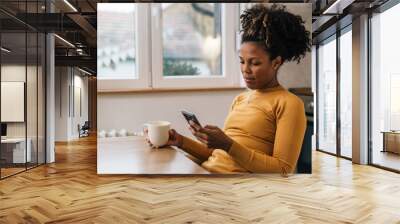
(80, 102)
(369, 78)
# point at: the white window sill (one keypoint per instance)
(156, 90)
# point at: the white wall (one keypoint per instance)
(66, 119)
(131, 110)
(293, 74)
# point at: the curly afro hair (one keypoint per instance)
(281, 33)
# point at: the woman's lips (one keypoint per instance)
(249, 80)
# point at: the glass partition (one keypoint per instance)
(13, 94)
(22, 77)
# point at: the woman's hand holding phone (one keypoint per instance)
(212, 136)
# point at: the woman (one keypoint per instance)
(264, 129)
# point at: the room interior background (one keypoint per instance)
(30, 52)
(131, 109)
(383, 113)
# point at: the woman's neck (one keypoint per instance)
(271, 84)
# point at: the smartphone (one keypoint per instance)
(190, 117)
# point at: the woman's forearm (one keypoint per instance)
(195, 148)
(257, 162)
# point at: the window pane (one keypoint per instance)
(346, 94)
(327, 96)
(385, 84)
(191, 39)
(116, 57)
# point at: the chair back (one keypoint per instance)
(304, 163)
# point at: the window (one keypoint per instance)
(194, 45)
(191, 39)
(121, 65)
(385, 88)
(117, 55)
(327, 95)
(346, 92)
(335, 120)
(167, 45)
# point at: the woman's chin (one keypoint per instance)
(251, 86)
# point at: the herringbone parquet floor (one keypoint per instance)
(70, 191)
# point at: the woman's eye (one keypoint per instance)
(241, 62)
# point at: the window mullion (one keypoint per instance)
(231, 69)
(156, 45)
(143, 45)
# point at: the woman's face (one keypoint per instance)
(257, 69)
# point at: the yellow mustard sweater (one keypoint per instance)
(267, 127)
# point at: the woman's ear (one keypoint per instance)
(277, 62)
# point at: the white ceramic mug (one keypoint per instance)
(158, 132)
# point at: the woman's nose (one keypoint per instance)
(246, 68)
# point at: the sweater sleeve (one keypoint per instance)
(291, 125)
(196, 148)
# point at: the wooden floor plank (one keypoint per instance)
(70, 191)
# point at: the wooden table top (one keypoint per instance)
(132, 155)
